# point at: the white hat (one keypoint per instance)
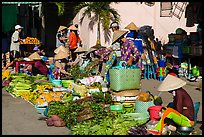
(114, 24)
(171, 83)
(18, 27)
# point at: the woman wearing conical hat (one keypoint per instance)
(79, 56)
(129, 51)
(61, 62)
(183, 107)
(116, 46)
(39, 67)
(61, 36)
(74, 39)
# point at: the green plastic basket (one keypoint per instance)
(125, 79)
(118, 108)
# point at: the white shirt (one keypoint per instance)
(15, 46)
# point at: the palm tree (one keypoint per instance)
(103, 13)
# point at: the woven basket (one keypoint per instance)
(125, 79)
(142, 107)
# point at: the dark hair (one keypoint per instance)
(76, 33)
(134, 33)
(76, 25)
(163, 108)
(170, 91)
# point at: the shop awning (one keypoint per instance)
(29, 3)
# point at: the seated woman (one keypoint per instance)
(79, 57)
(39, 67)
(172, 119)
(60, 63)
(183, 111)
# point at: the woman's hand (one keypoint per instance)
(129, 62)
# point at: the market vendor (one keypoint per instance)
(137, 39)
(61, 62)
(61, 36)
(129, 52)
(182, 101)
(73, 40)
(171, 119)
(39, 67)
(116, 46)
(39, 49)
(15, 42)
(80, 56)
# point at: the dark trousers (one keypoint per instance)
(73, 54)
(12, 57)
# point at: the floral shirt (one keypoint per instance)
(128, 49)
(103, 53)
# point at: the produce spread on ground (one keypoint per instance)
(74, 106)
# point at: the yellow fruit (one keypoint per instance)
(5, 74)
(57, 99)
(40, 101)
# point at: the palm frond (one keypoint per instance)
(60, 6)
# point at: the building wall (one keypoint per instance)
(141, 15)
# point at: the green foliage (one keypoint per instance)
(60, 6)
(110, 125)
(80, 74)
(101, 10)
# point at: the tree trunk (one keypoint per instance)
(98, 32)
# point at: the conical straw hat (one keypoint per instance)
(118, 34)
(91, 50)
(61, 48)
(35, 56)
(72, 27)
(61, 28)
(171, 83)
(61, 55)
(80, 49)
(95, 47)
(132, 26)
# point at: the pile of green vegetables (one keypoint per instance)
(103, 122)
(77, 73)
(22, 82)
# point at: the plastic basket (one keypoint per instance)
(124, 79)
(153, 112)
(142, 107)
(118, 108)
(40, 110)
(57, 82)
